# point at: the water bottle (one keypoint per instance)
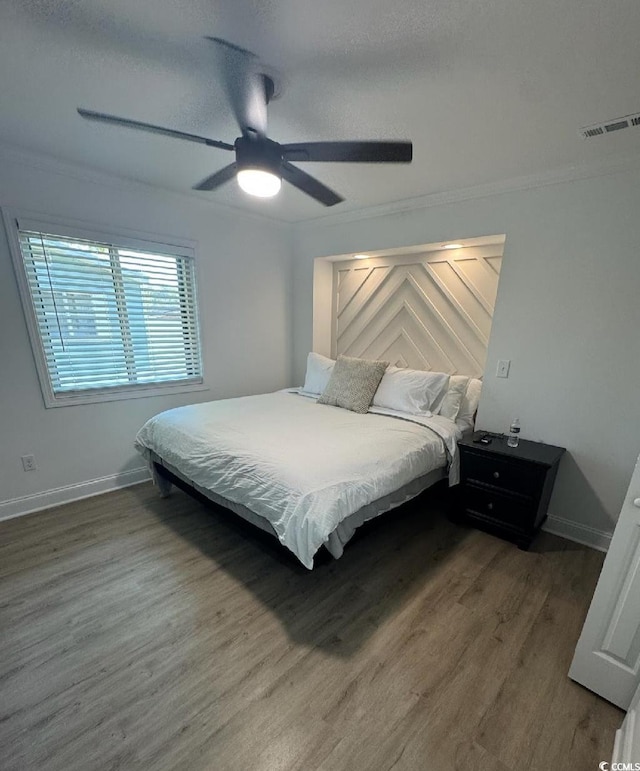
(514, 433)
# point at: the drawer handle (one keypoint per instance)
(490, 506)
(496, 475)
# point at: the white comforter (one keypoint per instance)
(303, 466)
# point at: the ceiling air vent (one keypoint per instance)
(616, 126)
(591, 131)
(608, 127)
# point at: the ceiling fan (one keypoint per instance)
(261, 164)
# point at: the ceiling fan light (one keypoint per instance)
(259, 182)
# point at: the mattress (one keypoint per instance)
(303, 467)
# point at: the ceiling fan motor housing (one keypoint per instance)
(254, 152)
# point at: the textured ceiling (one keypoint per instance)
(488, 90)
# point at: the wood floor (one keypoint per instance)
(140, 633)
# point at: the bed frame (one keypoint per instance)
(164, 476)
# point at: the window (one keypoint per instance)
(111, 319)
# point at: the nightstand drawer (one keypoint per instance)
(521, 478)
(490, 506)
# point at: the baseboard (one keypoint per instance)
(573, 531)
(27, 504)
(16, 507)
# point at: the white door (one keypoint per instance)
(607, 657)
(626, 748)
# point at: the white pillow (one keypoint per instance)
(319, 369)
(469, 406)
(410, 390)
(452, 401)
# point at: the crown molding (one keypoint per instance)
(566, 174)
(517, 184)
(47, 163)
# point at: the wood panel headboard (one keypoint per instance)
(425, 311)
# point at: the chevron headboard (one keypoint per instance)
(425, 311)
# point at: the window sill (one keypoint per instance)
(113, 395)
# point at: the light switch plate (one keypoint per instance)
(503, 368)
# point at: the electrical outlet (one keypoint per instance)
(29, 463)
(503, 368)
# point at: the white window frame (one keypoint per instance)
(14, 221)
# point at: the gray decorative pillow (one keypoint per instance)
(353, 383)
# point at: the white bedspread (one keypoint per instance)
(302, 466)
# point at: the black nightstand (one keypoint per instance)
(506, 490)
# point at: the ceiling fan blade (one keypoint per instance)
(349, 152)
(114, 120)
(217, 179)
(245, 86)
(309, 185)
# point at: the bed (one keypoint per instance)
(308, 473)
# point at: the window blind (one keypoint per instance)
(111, 317)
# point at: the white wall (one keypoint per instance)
(244, 286)
(567, 315)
